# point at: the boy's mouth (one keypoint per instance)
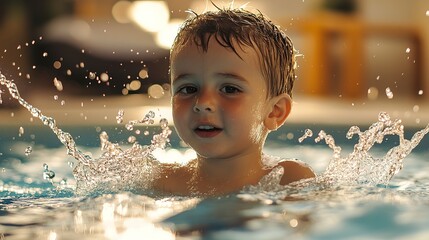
(207, 131)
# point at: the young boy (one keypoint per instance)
(232, 74)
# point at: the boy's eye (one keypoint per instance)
(230, 89)
(187, 90)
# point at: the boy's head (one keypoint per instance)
(231, 76)
(230, 26)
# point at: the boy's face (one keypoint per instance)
(219, 100)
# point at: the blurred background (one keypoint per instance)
(82, 60)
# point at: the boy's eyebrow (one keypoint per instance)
(181, 76)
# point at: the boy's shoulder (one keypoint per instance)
(295, 170)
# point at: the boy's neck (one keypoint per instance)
(218, 176)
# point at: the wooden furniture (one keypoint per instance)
(319, 29)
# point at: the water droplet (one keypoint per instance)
(71, 164)
(45, 54)
(389, 93)
(28, 151)
(163, 123)
(143, 74)
(132, 139)
(21, 131)
(120, 116)
(48, 174)
(155, 91)
(307, 133)
(92, 75)
(63, 182)
(150, 114)
(416, 108)
(104, 77)
(372, 93)
(408, 50)
(134, 85)
(427, 13)
(129, 126)
(420, 92)
(57, 64)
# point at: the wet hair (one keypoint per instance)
(238, 26)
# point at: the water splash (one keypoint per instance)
(307, 133)
(362, 168)
(116, 169)
(148, 119)
(64, 137)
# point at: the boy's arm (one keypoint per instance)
(295, 171)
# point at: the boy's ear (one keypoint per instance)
(279, 109)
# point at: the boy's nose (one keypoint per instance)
(204, 102)
(199, 108)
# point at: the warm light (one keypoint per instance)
(150, 15)
(135, 85)
(293, 223)
(57, 64)
(120, 11)
(143, 74)
(372, 93)
(156, 91)
(166, 35)
(104, 77)
(52, 236)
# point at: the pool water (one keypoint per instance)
(32, 207)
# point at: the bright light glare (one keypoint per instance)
(166, 35)
(150, 15)
(131, 228)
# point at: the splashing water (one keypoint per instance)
(359, 166)
(116, 169)
(136, 168)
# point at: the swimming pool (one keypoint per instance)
(32, 208)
